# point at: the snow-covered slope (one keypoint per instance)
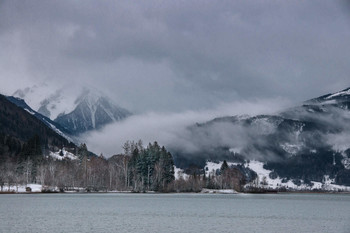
(211, 168)
(266, 179)
(63, 154)
(338, 99)
(343, 93)
(47, 121)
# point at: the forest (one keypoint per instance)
(137, 169)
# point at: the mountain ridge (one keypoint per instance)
(18, 126)
(302, 143)
(53, 125)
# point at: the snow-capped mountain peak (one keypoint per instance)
(345, 92)
(47, 102)
(77, 109)
(93, 110)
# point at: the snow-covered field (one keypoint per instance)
(211, 167)
(35, 188)
(263, 175)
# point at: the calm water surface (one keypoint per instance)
(175, 213)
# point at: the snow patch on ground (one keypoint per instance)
(291, 148)
(345, 161)
(328, 102)
(31, 112)
(220, 191)
(210, 168)
(341, 93)
(66, 155)
(179, 173)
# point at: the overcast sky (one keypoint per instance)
(178, 55)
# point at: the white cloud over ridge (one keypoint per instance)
(170, 129)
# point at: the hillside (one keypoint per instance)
(304, 143)
(47, 121)
(18, 126)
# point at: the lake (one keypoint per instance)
(175, 213)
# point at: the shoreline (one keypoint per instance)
(220, 192)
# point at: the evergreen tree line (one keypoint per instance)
(151, 168)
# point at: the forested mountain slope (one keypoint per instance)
(18, 126)
(308, 142)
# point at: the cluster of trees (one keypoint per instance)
(151, 168)
(224, 178)
(310, 166)
(137, 169)
(9, 145)
(21, 165)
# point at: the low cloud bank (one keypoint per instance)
(170, 129)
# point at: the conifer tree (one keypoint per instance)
(224, 166)
(151, 168)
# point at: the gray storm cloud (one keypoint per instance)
(174, 56)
